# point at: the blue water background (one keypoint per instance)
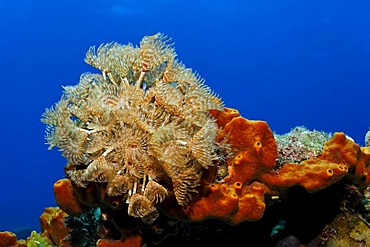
(287, 62)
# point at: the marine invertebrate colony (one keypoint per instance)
(299, 144)
(142, 126)
(146, 135)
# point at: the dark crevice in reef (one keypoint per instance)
(296, 220)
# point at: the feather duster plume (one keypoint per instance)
(142, 126)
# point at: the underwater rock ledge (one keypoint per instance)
(154, 155)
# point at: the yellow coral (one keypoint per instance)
(146, 118)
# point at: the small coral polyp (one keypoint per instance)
(142, 126)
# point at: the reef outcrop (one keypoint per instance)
(147, 137)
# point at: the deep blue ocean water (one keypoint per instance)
(287, 62)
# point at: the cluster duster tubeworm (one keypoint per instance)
(142, 126)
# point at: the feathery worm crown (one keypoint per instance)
(142, 126)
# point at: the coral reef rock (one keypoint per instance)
(146, 138)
